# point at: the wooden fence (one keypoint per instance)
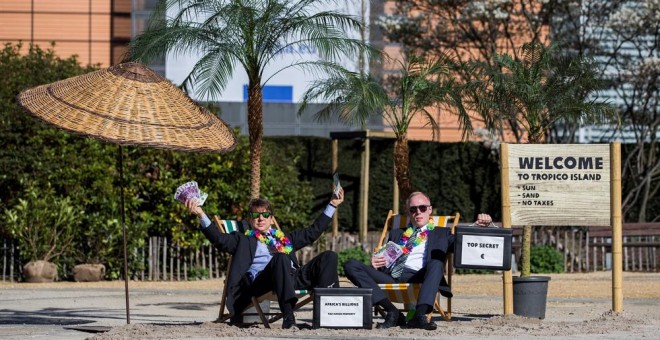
(10, 262)
(585, 249)
(163, 261)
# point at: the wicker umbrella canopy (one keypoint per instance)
(129, 104)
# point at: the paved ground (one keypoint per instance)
(38, 312)
(46, 310)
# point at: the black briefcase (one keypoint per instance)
(342, 308)
(482, 248)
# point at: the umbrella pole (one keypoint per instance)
(123, 228)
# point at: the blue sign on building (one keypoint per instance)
(273, 93)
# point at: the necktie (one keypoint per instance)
(272, 244)
(400, 262)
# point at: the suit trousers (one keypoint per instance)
(283, 279)
(366, 276)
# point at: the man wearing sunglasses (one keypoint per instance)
(263, 258)
(424, 252)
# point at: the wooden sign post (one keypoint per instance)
(563, 185)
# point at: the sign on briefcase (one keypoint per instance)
(482, 248)
(342, 308)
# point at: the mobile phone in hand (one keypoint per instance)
(336, 184)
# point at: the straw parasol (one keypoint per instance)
(128, 104)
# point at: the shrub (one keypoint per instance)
(198, 273)
(43, 223)
(356, 253)
(546, 259)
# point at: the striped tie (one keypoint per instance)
(400, 263)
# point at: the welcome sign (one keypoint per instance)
(559, 184)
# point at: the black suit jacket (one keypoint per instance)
(439, 244)
(243, 248)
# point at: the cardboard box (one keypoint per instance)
(342, 308)
(482, 248)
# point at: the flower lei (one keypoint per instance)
(421, 237)
(277, 240)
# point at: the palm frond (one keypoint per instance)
(211, 73)
(252, 33)
(398, 99)
(538, 90)
(351, 96)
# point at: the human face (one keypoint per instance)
(260, 223)
(418, 218)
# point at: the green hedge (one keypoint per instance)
(355, 253)
(461, 177)
(546, 259)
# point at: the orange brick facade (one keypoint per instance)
(96, 31)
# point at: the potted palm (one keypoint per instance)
(532, 94)
(44, 226)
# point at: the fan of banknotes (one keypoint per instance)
(391, 251)
(190, 190)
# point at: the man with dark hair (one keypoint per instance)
(264, 258)
(425, 249)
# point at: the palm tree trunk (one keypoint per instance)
(534, 137)
(526, 251)
(401, 163)
(256, 129)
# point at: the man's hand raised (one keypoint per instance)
(338, 199)
(192, 204)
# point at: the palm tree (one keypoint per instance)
(250, 34)
(421, 86)
(532, 94)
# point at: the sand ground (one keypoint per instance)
(579, 306)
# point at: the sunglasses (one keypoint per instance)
(254, 214)
(421, 208)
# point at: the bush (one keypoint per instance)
(356, 253)
(546, 259)
(198, 273)
(43, 223)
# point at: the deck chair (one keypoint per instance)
(304, 297)
(406, 293)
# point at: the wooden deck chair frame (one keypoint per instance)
(407, 292)
(229, 226)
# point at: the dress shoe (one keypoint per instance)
(288, 321)
(421, 322)
(236, 320)
(392, 319)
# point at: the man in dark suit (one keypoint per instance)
(425, 250)
(264, 259)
